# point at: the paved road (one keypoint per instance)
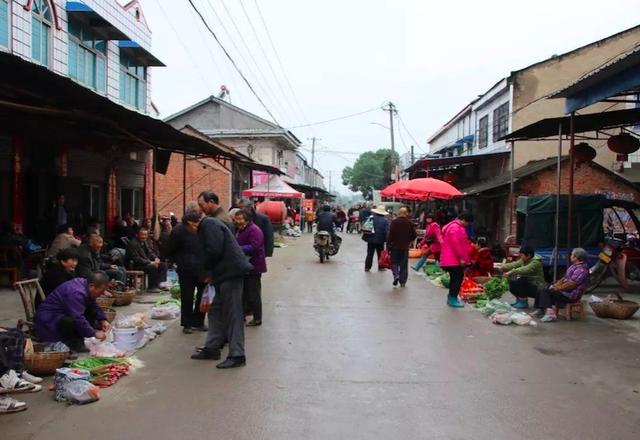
(344, 355)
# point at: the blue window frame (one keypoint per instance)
(87, 57)
(133, 83)
(4, 23)
(40, 31)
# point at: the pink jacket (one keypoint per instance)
(433, 231)
(455, 245)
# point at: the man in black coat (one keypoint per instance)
(90, 261)
(185, 250)
(141, 257)
(262, 221)
(225, 266)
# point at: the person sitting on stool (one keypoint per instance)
(141, 257)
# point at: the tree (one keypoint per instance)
(371, 171)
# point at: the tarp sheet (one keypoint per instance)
(536, 220)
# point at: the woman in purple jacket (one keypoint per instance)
(251, 240)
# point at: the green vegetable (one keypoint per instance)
(175, 292)
(495, 287)
(445, 280)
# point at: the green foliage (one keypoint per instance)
(372, 169)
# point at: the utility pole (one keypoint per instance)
(330, 181)
(391, 108)
(413, 156)
(313, 158)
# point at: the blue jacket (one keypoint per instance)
(380, 228)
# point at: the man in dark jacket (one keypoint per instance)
(141, 257)
(375, 241)
(225, 266)
(185, 250)
(262, 221)
(401, 233)
(90, 261)
(209, 203)
(327, 221)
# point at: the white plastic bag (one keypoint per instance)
(208, 296)
(520, 318)
(103, 348)
(166, 311)
(81, 391)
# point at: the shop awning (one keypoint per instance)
(33, 96)
(590, 122)
(275, 188)
(141, 55)
(429, 163)
(100, 25)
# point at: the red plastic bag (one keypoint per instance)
(385, 260)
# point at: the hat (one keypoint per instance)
(380, 210)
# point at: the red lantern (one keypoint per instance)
(450, 177)
(623, 143)
(583, 152)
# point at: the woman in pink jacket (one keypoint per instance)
(432, 241)
(454, 256)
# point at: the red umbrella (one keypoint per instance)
(392, 190)
(427, 188)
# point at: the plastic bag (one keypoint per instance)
(102, 348)
(367, 227)
(385, 260)
(167, 311)
(502, 318)
(131, 321)
(80, 392)
(55, 347)
(207, 298)
(520, 318)
(65, 376)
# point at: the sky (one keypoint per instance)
(312, 61)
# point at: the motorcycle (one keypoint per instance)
(619, 257)
(325, 246)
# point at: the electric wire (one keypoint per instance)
(339, 118)
(233, 62)
(271, 94)
(416, 143)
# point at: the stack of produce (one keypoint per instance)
(470, 291)
(496, 287)
(104, 371)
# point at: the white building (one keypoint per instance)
(101, 44)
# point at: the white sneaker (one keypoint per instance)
(549, 316)
(30, 378)
(9, 405)
(11, 383)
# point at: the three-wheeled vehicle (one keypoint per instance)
(606, 228)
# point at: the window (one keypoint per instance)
(133, 83)
(483, 132)
(500, 121)
(131, 202)
(4, 23)
(40, 31)
(92, 201)
(87, 57)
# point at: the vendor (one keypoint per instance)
(568, 290)
(481, 259)
(70, 313)
(58, 272)
(526, 277)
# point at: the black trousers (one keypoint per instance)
(226, 319)
(522, 287)
(156, 275)
(457, 276)
(549, 297)
(190, 315)
(69, 332)
(309, 226)
(400, 264)
(252, 296)
(372, 249)
(117, 274)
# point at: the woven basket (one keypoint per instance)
(123, 298)
(615, 309)
(104, 302)
(40, 363)
(111, 313)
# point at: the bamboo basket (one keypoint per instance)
(123, 298)
(42, 363)
(111, 314)
(614, 308)
(105, 302)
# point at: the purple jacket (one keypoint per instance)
(68, 299)
(251, 240)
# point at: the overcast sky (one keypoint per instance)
(349, 56)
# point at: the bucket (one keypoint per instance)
(127, 339)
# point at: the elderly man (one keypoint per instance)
(210, 204)
(141, 257)
(262, 221)
(70, 313)
(90, 260)
(225, 266)
(567, 290)
(64, 240)
(401, 233)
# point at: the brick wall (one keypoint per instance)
(202, 175)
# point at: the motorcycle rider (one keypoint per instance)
(326, 221)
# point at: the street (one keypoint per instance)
(344, 355)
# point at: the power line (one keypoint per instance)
(335, 119)
(235, 66)
(416, 143)
(266, 88)
(266, 57)
(284, 71)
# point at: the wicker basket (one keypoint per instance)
(111, 313)
(105, 302)
(123, 298)
(615, 309)
(42, 363)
